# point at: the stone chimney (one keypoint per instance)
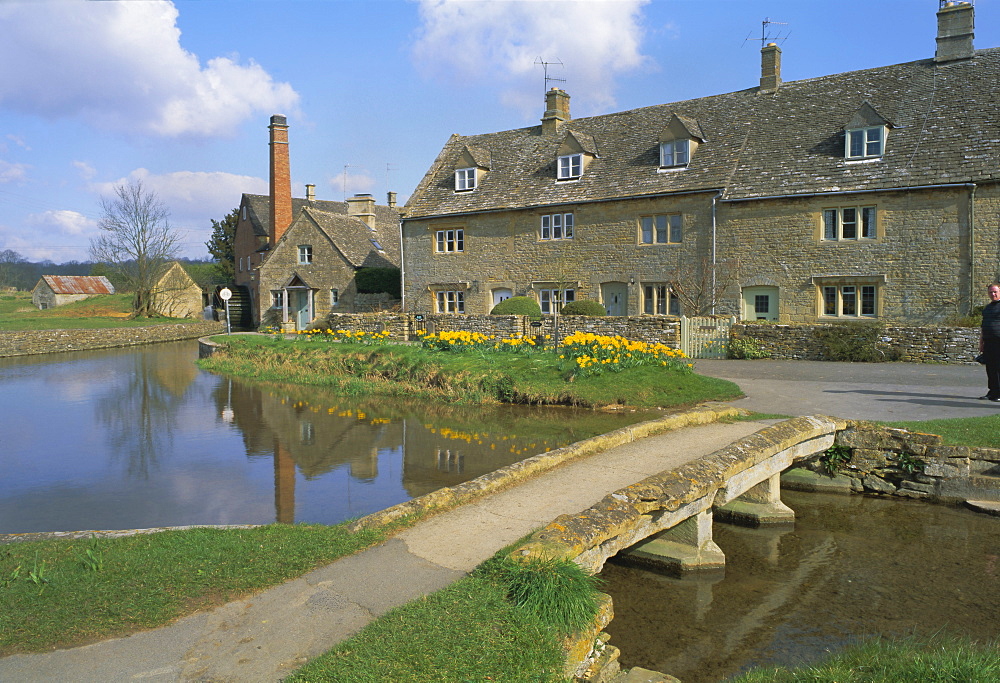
(281, 179)
(362, 206)
(956, 29)
(391, 200)
(556, 110)
(770, 68)
(310, 193)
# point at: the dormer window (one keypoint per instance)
(679, 140)
(465, 179)
(674, 153)
(570, 166)
(865, 143)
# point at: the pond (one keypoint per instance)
(852, 566)
(141, 437)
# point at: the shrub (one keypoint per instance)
(517, 305)
(583, 307)
(746, 348)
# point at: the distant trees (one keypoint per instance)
(220, 245)
(136, 241)
(9, 273)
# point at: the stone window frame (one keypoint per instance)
(552, 223)
(465, 179)
(449, 301)
(848, 297)
(277, 298)
(305, 254)
(654, 232)
(658, 298)
(860, 143)
(832, 220)
(569, 166)
(449, 241)
(334, 296)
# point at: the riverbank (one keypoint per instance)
(35, 342)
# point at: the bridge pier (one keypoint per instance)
(759, 506)
(685, 547)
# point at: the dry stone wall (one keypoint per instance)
(32, 342)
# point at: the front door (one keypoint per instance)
(760, 303)
(300, 307)
(615, 297)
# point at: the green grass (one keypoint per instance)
(934, 660)
(62, 593)
(977, 432)
(473, 377)
(98, 312)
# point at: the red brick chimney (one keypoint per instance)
(281, 179)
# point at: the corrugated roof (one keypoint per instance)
(79, 284)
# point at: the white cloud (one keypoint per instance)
(10, 173)
(120, 65)
(351, 184)
(86, 170)
(499, 41)
(62, 222)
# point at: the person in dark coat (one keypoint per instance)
(989, 344)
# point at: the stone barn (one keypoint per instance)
(57, 290)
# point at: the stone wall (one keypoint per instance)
(896, 462)
(651, 329)
(31, 342)
(918, 344)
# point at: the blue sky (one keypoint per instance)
(179, 94)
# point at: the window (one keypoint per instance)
(674, 153)
(849, 301)
(850, 223)
(661, 229)
(864, 143)
(244, 213)
(557, 226)
(451, 302)
(375, 243)
(277, 298)
(241, 264)
(551, 300)
(305, 253)
(657, 299)
(334, 297)
(465, 179)
(450, 241)
(570, 166)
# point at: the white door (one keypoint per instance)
(615, 297)
(501, 294)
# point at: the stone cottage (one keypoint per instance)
(296, 258)
(56, 290)
(870, 194)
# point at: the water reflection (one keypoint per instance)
(852, 566)
(141, 437)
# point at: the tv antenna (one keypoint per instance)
(389, 167)
(545, 69)
(346, 166)
(767, 35)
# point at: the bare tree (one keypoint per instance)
(8, 267)
(700, 287)
(137, 241)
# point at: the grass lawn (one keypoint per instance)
(978, 432)
(107, 310)
(536, 377)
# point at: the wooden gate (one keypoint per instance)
(706, 337)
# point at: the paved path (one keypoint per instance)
(863, 391)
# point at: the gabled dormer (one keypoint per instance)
(678, 141)
(865, 134)
(575, 153)
(470, 168)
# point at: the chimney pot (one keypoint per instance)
(310, 192)
(391, 200)
(362, 206)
